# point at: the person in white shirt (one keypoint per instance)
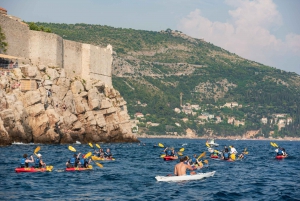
(233, 150)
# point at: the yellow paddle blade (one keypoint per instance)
(207, 144)
(90, 167)
(91, 145)
(161, 145)
(37, 149)
(99, 165)
(49, 168)
(200, 164)
(201, 155)
(246, 152)
(272, 144)
(72, 148)
(180, 153)
(205, 161)
(181, 150)
(163, 155)
(97, 145)
(275, 144)
(95, 158)
(245, 149)
(87, 155)
(232, 156)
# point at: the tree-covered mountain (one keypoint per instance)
(151, 69)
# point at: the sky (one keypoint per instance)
(265, 31)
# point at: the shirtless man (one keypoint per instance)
(180, 168)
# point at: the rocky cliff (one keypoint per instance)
(58, 109)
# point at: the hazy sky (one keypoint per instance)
(266, 31)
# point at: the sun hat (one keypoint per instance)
(39, 155)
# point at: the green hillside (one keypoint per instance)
(151, 69)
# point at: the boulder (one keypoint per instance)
(77, 87)
(52, 73)
(32, 71)
(31, 98)
(35, 110)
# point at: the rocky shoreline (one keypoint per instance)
(57, 109)
(218, 138)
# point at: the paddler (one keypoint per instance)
(168, 151)
(226, 154)
(108, 154)
(73, 162)
(100, 153)
(24, 161)
(84, 163)
(180, 168)
(39, 162)
(194, 161)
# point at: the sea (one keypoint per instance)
(259, 176)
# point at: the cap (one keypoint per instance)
(39, 155)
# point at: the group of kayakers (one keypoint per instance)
(77, 160)
(38, 162)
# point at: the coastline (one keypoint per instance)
(217, 138)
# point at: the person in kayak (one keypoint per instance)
(284, 152)
(84, 163)
(195, 163)
(180, 168)
(279, 152)
(168, 151)
(100, 153)
(39, 163)
(226, 154)
(24, 161)
(108, 154)
(233, 150)
(73, 162)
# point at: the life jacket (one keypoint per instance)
(37, 162)
(194, 160)
(22, 161)
(82, 162)
(280, 152)
(72, 160)
(169, 153)
(226, 156)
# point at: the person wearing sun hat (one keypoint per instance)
(39, 163)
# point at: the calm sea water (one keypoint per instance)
(131, 176)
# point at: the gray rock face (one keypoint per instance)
(60, 110)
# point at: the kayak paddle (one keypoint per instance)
(91, 145)
(161, 145)
(180, 153)
(98, 164)
(37, 149)
(87, 155)
(72, 148)
(201, 155)
(97, 145)
(163, 155)
(181, 150)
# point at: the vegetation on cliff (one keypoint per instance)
(3, 44)
(151, 69)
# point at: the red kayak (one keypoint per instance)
(213, 156)
(280, 157)
(79, 168)
(32, 169)
(169, 158)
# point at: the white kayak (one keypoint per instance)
(186, 177)
(213, 144)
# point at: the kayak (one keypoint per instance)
(219, 159)
(79, 168)
(32, 169)
(185, 177)
(280, 157)
(168, 158)
(213, 144)
(213, 156)
(96, 158)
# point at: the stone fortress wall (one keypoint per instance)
(37, 47)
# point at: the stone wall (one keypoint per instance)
(36, 48)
